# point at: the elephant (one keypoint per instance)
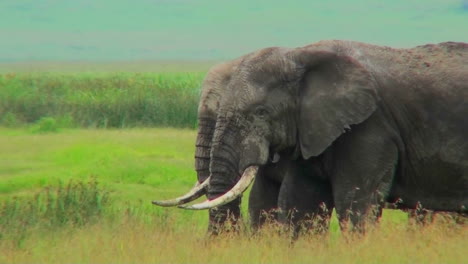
(356, 125)
(264, 197)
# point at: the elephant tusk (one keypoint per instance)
(247, 177)
(197, 191)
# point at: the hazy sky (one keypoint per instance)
(104, 30)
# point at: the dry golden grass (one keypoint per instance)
(135, 242)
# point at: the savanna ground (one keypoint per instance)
(83, 154)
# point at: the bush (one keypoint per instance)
(9, 119)
(45, 125)
(74, 204)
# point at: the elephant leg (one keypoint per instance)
(305, 201)
(365, 162)
(263, 200)
(362, 202)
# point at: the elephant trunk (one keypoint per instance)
(228, 157)
(225, 188)
(224, 175)
(206, 127)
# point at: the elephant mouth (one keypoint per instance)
(241, 186)
(274, 157)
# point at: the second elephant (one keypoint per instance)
(282, 192)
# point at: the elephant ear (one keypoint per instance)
(336, 92)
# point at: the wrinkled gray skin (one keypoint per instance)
(264, 197)
(284, 191)
(357, 125)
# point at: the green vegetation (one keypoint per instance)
(75, 204)
(103, 100)
(53, 211)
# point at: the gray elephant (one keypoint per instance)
(361, 125)
(264, 202)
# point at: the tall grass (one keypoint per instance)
(101, 99)
(72, 224)
(130, 240)
(74, 204)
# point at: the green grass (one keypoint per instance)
(145, 157)
(107, 99)
(135, 166)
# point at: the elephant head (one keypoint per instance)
(274, 101)
(214, 87)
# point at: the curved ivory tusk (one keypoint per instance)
(247, 177)
(197, 191)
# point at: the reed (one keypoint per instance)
(104, 100)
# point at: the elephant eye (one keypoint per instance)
(261, 112)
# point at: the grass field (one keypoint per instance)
(101, 99)
(114, 221)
